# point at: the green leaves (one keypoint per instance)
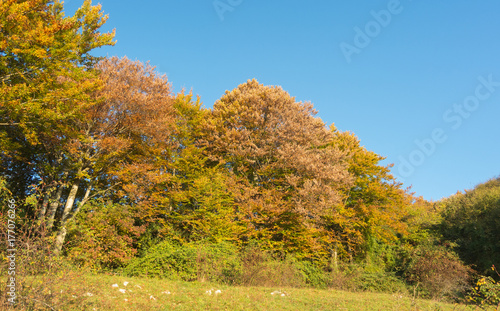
(203, 261)
(472, 220)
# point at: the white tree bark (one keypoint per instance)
(69, 214)
(43, 209)
(54, 204)
(61, 233)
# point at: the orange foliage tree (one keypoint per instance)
(120, 140)
(375, 207)
(284, 175)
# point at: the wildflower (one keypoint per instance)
(218, 291)
(125, 283)
(89, 294)
(138, 286)
(277, 292)
(209, 292)
(122, 290)
(151, 297)
(166, 292)
(114, 285)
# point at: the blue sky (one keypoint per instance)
(416, 81)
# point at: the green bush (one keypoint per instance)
(380, 281)
(314, 275)
(196, 261)
(218, 262)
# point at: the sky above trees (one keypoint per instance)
(416, 81)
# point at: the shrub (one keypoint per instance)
(223, 263)
(364, 276)
(103, 236)
(486, 291)
(436, 272)
(196, 261)
(42, 281)
(380, 281)
(260, 268)
(217, 262)
(314, 275)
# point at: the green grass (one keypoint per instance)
(95, 292)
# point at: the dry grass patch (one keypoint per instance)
(110, 292)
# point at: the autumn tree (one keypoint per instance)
(120, 139)
(46, 73)
(284, 176)
(199, 207)
(375, 204)
(46, 70)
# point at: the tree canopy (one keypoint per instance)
(472, 221)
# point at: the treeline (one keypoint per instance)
(120, 173)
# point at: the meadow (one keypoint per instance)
(112, 292)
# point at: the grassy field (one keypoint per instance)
(96, 292)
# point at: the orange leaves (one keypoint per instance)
(114, 145)
(136, 99)
(285, 177)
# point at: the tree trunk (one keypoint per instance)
(61, 233)
(61, 236)
(68, 215)
(43, 209)
(82, 203)
(335, 263)
(55, 201)
(54, 204)
(70, 201)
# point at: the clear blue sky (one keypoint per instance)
(393, 72)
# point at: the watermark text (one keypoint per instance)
(223, 6)
(363, 36)
(11, 252)
(453, 116)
